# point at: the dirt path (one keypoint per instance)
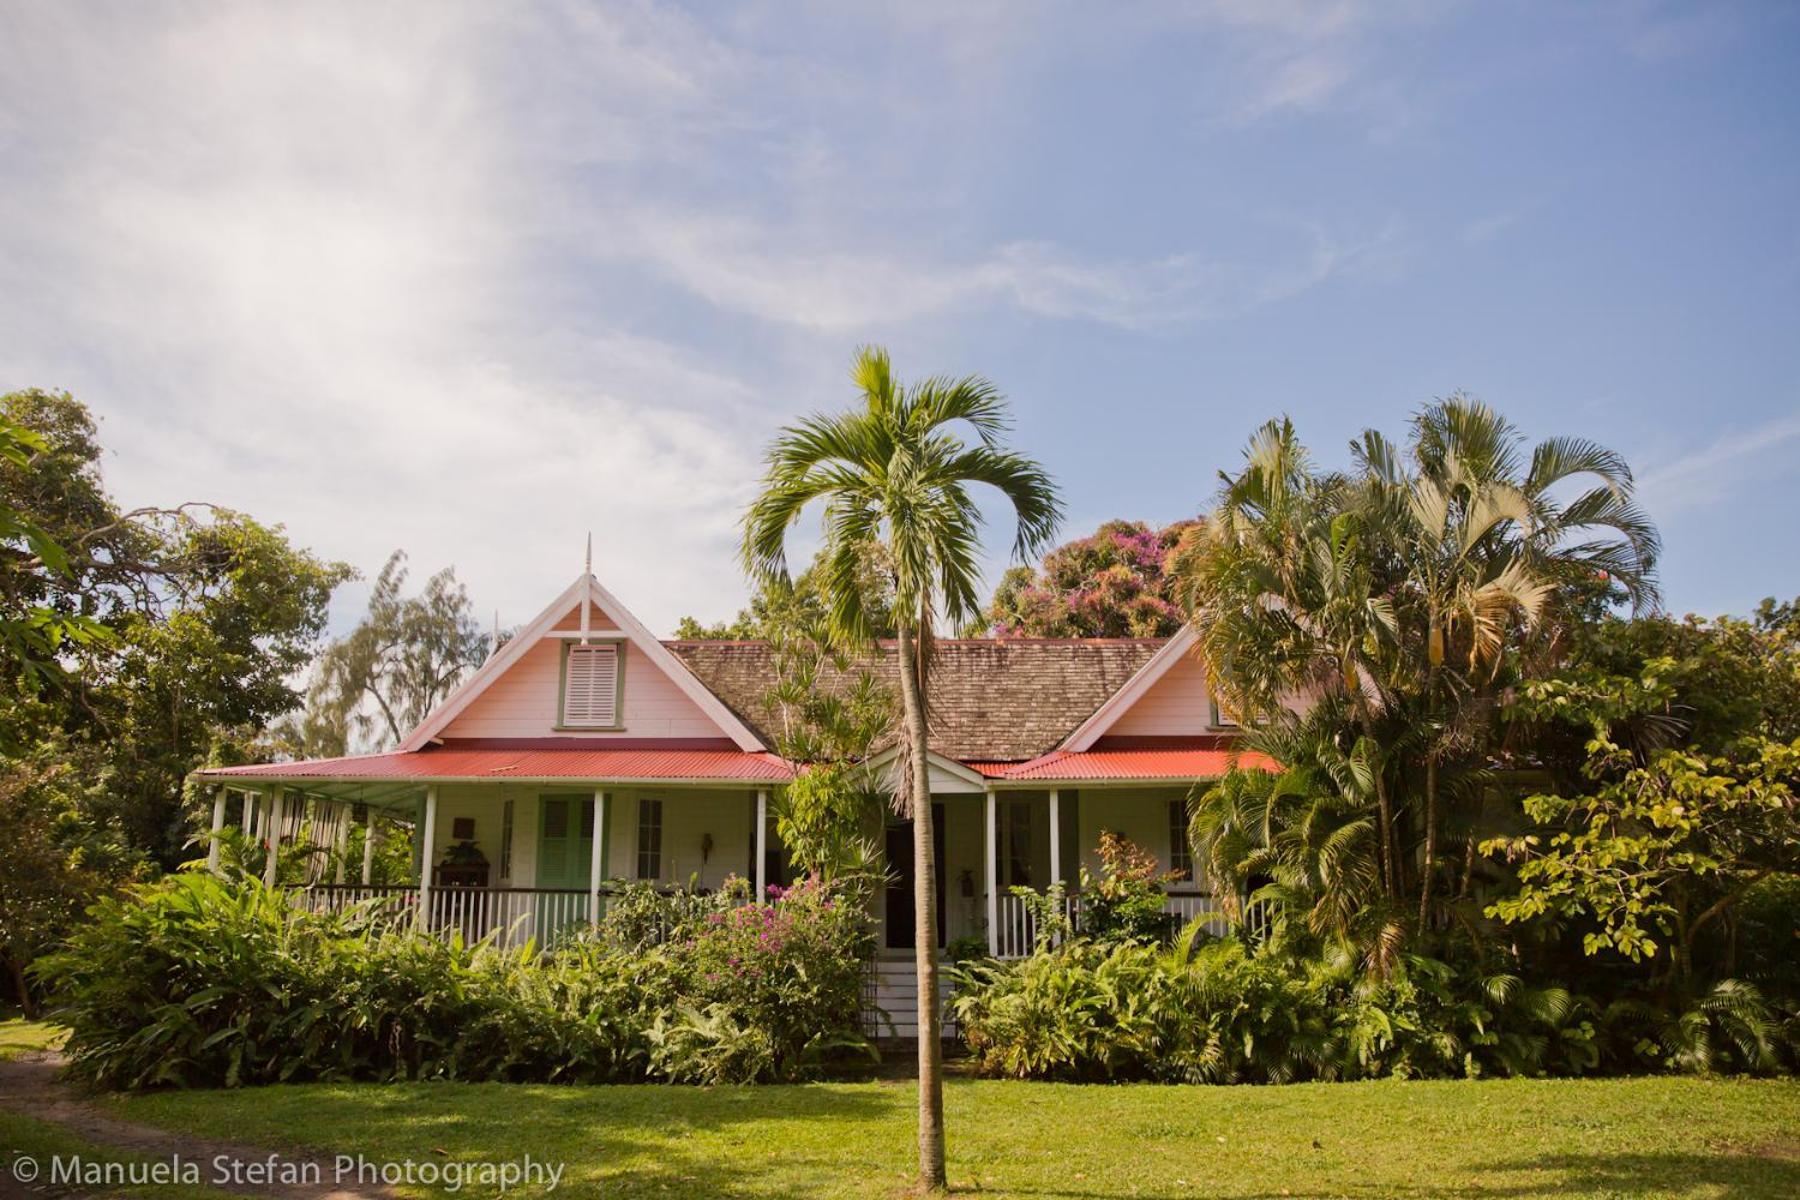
(30, 1086)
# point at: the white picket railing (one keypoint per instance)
(1015, 934)
(512, 915)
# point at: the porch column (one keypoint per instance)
(218, 827)
(340, 813)
(248, 821)
(595, 865)
(370, 833)
(1055, 839)
(762, 846)
(426, 855)
(991, 875)
(277, 799)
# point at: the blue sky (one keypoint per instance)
(475, 279)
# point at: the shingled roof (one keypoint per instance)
(991, 700)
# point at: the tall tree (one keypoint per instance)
(402, 660)
(1414, 586)
(32, 633)
(894, 472)
(197, 617)
(1480, 540)
(1109, 584)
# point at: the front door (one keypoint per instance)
(564, 859)
(901, 924)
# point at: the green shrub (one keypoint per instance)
(196, 982)
(640, 914)
(1224, 1014)
(1125, 903)
(792, 969)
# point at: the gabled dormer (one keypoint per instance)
(1168, 698)
(584, 668)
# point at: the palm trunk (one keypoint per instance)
(931, 1050)
(1431, 824)
(1389, 863)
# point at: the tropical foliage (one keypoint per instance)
(1660, 845)
(138, 645)
(1415, 589)
(199, 982)
(1221, 1011)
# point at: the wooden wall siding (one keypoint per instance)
(688, 816)
(1141, 814)
(522, 702)
(597, 620)
(485, 803)
(1177, 705)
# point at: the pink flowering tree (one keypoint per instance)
(1109, 584)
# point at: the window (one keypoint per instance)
(1221, 719)
(1181, 851)
(590, 698)
(1018, 842)
(649, 846)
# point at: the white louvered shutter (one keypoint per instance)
(591, 687)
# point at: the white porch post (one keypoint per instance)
(218, 827)
(272, 819)
(426, 855)
(370, 833)
(248, 820)
(991, 875)
(595, 865)
(762, 846)
(1055, 838)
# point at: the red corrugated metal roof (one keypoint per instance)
(530, 762)
(1119, 765)
(542, 758)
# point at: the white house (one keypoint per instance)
(586, 750)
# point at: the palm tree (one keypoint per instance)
(1407, 585)
(1278, 584)
(1479, 544)
(893, 472)
(1309, 830)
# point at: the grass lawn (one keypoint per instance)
(17, 1036)
(1500, 1138)
(42, 1141)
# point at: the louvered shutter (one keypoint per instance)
(591, 687)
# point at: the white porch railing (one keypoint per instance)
(1015, 936)
(512, 915)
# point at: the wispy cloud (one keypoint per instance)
(293, 259)
(790, 278)
(1715, 471)
(426, 275)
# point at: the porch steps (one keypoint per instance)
(890, 1000)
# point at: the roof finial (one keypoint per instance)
(494, 645)
(587, 576)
